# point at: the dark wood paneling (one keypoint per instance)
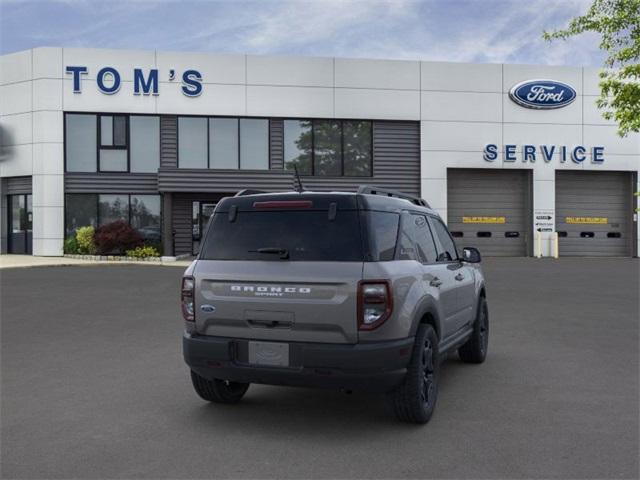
(110, 183)
(18, 185)
(168, 141)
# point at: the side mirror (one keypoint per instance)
(471, 255)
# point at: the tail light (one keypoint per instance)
(375, 303)
(186, 298)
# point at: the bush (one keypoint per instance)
(85, 241)
(143, 252)
(70, 245)
(116, 238)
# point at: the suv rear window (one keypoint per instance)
(305, 236)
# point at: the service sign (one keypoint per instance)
(544, 220)
(542, 94)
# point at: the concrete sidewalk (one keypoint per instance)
(25, 261)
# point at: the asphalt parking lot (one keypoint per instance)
(93, 386)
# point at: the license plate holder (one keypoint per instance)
(269, 354)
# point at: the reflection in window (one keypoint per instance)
(80, 142)
(145, 217)
(254, 144)
(112, 208)
(145, 143)
(112, 160)
(80, 211)
(297, 145)
(192, 142)
(327, 142)
(357, 148)
(223, 142)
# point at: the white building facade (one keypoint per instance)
(155, 138)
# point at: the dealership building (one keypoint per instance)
(517, 159)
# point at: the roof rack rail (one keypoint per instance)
(372, 190)
(249, 191)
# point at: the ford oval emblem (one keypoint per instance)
(542, 94)
(208, 308)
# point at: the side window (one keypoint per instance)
(416, 242)
(383, 235)
(447, 248)
(407, 240)
(425, 243)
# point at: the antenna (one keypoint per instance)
(298, 184)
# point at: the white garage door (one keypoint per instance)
(489, 210)
(594, 214)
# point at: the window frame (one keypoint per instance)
(239, 143)
(98, 115)
(101, 147)
(341, 121)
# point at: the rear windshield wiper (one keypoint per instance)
(283, 252)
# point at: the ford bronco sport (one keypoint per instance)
(353, 291)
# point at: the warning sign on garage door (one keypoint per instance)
(544, 220)
(587, 220)
(499, 220)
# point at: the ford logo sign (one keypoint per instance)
(542, 94)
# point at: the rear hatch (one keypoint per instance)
(282, 268)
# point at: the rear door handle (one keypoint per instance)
(435, 282)
(459, 277)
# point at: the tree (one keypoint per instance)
(618, 23)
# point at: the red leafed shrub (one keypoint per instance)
(116, 238)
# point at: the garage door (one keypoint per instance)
(489, 210)
(594, 213)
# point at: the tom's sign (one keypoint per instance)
(108, 80)
(542, 94)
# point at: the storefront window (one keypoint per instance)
(80, 211)
(297, 145)
(192, 142)
(112, 208)
(145, 217)
(254, 144)
(327, 147)
(145, 144)
(80, 142)
(223, 142)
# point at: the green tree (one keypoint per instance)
(618, 23)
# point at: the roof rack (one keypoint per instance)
(372, 190)
(249, 191)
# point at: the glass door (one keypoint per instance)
(20, 224)
(201, 213)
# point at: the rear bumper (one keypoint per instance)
(374, 367)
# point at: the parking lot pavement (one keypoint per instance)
(93, 386)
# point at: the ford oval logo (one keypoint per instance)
(542, 94)
(208, 308)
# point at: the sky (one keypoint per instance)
(486, 31)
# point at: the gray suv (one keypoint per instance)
(353, 291)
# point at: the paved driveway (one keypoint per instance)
(93, 386)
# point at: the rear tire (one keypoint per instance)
(415, 399)
(218, 391)
(475, 349)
